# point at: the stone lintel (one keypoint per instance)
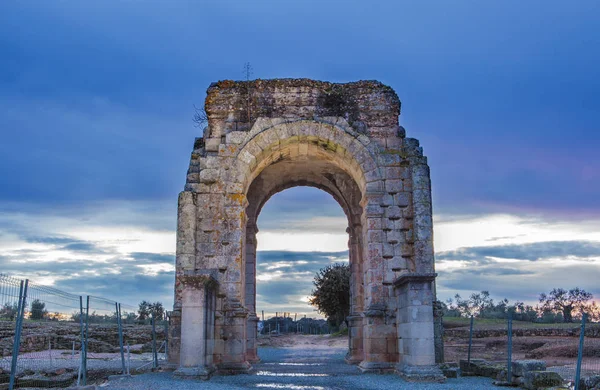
(200, 279)
(414, 277)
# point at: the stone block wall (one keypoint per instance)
(264, 136)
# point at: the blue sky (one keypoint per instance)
(97, 99)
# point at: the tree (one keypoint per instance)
(157, 310)
(147, 310)
(38, 310)
(9, 311)
(143, 310)
(565, 301)
(331, 295)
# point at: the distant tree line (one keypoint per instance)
(38, 312)
(559, 305)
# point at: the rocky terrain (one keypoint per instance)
(40, 336)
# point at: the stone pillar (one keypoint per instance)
(355, 320)
(231, 252)
(174, 339)
(438, 330)
(415, 328)
(197, 322)
(250, 300)
(234, 359)
(376, 329)
(185, 260)
(423, 258)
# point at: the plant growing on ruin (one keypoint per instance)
(200, 118)
(331, 295)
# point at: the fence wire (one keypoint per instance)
(9, 299)
(49, 350)
(67, 339)
(493, 347)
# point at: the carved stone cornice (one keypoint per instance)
(414, 277)
(199, 279)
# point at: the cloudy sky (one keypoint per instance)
(96, 104)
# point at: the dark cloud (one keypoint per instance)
(270, 256)
(54, 240)
(85, 247)
(504, 237)
(283, 291)
(524, 284)
(150, 258)
(530, 251)
(108, 131)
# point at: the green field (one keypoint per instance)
(489, 323)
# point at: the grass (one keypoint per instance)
(492, 323)
(343, 332)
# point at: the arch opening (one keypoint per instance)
(301, 230)
(320, 168)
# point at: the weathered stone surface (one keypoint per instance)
(521, 367)
(534, 380)
(265, 136)
(590, 383)
(480, 367)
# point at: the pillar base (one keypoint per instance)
(252, 357)
(349, 359)
(376, 367)
(421, 373)
(234, 368)
(355, 353)
(203, 373)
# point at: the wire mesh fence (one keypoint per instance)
(505, 349)
(286, 323)
(11, 291)
(50, 338)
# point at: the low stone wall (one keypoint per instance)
(37, 336)
(591, 331)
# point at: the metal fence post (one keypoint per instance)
(120, 327)
(128, 359)
(79, 374)
(154, 352)
(18, 326)
(580, 351)
(167, 338)
(509, 351)
(470, 344)
(85, 343)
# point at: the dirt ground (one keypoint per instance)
(302, 341)
(559, 352)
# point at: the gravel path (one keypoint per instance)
(40, 362)
(296, 369)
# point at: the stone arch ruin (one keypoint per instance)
(263, 137)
